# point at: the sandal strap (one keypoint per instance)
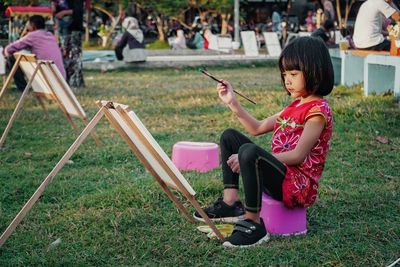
(246, 224)
(243, 229)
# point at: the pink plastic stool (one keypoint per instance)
(198, 156)
(280, 220)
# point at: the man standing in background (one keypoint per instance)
(71, 42)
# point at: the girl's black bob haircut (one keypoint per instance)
(309, 55)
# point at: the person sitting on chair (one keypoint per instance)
(368, 27)
(324, 32)
(40, 42)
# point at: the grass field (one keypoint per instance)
(108, 211)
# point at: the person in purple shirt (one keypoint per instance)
(40, 42)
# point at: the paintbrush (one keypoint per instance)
(220, 81)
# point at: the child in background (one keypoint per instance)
(311, 21)
(300, 142)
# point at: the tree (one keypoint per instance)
(224, 8)
(220, 7)
(346, 14)
(175, 9)
(163, 9)
(114, 15)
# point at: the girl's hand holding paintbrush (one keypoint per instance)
(226, 93)
(223, 82)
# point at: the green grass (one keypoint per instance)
(157, 44)
(109, 211)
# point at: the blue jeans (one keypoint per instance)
(63, 26)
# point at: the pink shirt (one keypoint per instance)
(41, 43)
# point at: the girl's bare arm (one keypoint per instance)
(252, 125)
(312, 131)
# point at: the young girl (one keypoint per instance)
(300, 142)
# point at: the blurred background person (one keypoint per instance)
(329, 10)
(62, 16)
(196, 40)
(130, 47)
(326, 33)
(39, 42)
(71, 44)
(180, 40)
(276, 19)
(311, 21)
(368, 33)
(259, 38)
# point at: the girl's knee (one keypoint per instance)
(247, 152)
(228, 134)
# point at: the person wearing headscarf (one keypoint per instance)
(130, 47)
(180, 40)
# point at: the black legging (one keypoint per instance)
(19, 77)
(260, 170)
(384, 46)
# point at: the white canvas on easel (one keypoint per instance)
(142, 137)
(273, 44)
(144, 146)
(2, 62)
(46, 82)
(249, 43)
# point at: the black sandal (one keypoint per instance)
(247, 233)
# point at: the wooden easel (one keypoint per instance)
(142, 143)
(47, 83)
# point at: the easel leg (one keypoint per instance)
(28, 206)
(64, 110)
(176, 201)
(71, 122)
(17, 108)
(94, 135)
(43, 106)
(207, 220)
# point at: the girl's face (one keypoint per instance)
(295, 83)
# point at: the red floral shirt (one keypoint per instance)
(300, 186)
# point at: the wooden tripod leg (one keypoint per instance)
(10, 76)
(28, 206)
(43, 106)
(71, 122)
(17, 108)
(64, 110)
(207, 220)
(94, 135)
(175, 200)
